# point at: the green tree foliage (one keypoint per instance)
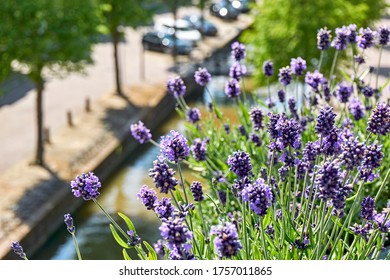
(46, 35)
(121, 13)
(284, 29)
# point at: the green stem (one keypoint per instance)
(115, 224)
(332, 69)
(377, 69)
(154, 143)
(244, 228)
(182, 182)
(321, 59)
(382, 185)
(263, 239)
(76, 245)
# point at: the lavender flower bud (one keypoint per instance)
(255, 139)
(344, 91)
(232, 88)
(238, 51)
(256, 116)
(340, 41)
(18, 249)
(325, 121)
(202, 77)
(197, 192)
(379, 121)
(199, 149)
(314, 80)
(328, 180)
(352, 153)
(175, 233)
(281, 95)
(140, 132)
(366, 38)
(86, 185)
(174, 147)
(164, 208)
(368, 207)
(356, 108)
(268, 68)
(323, 39)
(237, 71)
(331, 145)
(285, 75)
(193, 115)
(134, 239)
(298, 66)
(176, 87)
(226, 242)
(383, 35)
(163, 176)
(259, 196)
(69, 223)
(148, 197)
(240, 164)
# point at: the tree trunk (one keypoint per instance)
(39, 157)
(115, 42)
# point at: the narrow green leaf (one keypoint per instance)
(151, 252)
(117, 238)
(126, 255)
(127, 220)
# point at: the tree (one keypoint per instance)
(46, 35)
(284, 29)
(118, 14)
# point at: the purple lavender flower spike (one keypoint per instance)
(226, 242)
(242, 130)
(281, 95)
(202, 77)
(325, 121)
(256, 116)
(255, 139)
(366, 90)
(226, 127)
(164, 208)
(383, 35)
(240, 164)
(352, 153)
(310, 152)
(372, 159)
(328, 180)
(259, 195)
(163, 176)
(298, 66)
(199, 149)
(18, 249)
(232, 88)
(366, 38)
(380, 222)
(175, 233)
(174, 147)
(176, 87)
(344, 91)
(368, 208)
(314, 80)
(193, 115)
(237, 70)
(86, 185)
(379, 121)
(197, 191)
(340, 41)
(352, 34)
(159, 248)
(356, 108)
(323, 39)
(238, 51)
(359, 59)
(148, 197)
(268, 68)
(331, 145)
(285, 75)
(68, 220)
(283, 173)
(288, 133)
(140, 132)
(292, 106)
(240, 184)
(134, 239)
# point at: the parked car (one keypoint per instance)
(243, 6)
(181, 28)
(162, 42)
(208, 29)
(224, 10)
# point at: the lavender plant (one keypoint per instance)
(309, 184)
